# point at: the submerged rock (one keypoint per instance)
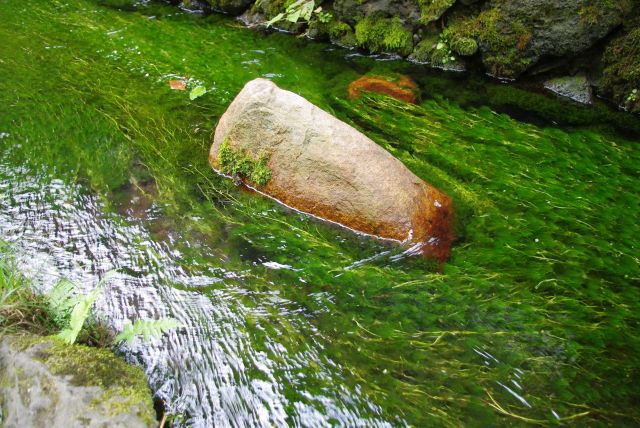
(302, 156)
(46, 383)
(575, 88)
(401, 88)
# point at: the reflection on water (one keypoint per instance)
(223, 368)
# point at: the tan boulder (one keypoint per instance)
(281, 144)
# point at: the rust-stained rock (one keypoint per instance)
(401, 88)
(320, 165)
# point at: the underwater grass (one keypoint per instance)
(542, 287)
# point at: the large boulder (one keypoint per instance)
(47, 383)
(514, 35)
(299, 154)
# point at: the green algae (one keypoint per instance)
(543, 276)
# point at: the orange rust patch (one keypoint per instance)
(440, 232)
(404, 89)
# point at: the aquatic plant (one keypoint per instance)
(301, 11)
(541, 286)
(148, 329)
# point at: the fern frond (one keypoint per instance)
(62, 300)
(79, 315)
(148, 329)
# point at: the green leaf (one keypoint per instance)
(79, 315)
(295, 6)
(61, 299)
(275, 19)
(196, 92)
(306, 10)
(293, 16)
(81, 306)
(148, 329)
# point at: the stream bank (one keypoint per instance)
(532, 40)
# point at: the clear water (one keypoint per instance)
(290, 321)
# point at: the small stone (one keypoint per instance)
(575, 88)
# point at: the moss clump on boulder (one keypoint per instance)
(621, 74)
(422, 51)
(342, 34)
(382, 34)
(239, 164)
(432, 10)
(464, 46)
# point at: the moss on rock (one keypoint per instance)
(432, 10)
(621, 74)
(382, 34)
(464, 46)
(240, 164)
(342, 34)
(125, 385)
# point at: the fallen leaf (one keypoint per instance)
(178, 85)
(196, 92)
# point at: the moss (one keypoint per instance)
(381, 34)
(342, 34)
(621, 74)
(464, 46)
(240, 164)
(126, 386)
(502, 51)
(422, 51)
(432, 10)
(594, 11)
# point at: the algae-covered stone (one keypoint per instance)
(515, 34)
(400, 87)
(381, 34)
(322, 166)
(354, 11)
(47, 383)
(621, 74)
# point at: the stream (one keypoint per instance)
(291, 321)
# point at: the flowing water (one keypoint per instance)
(291, 321)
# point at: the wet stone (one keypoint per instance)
(575, 88)
(46, 383)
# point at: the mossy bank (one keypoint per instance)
(508, 39)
